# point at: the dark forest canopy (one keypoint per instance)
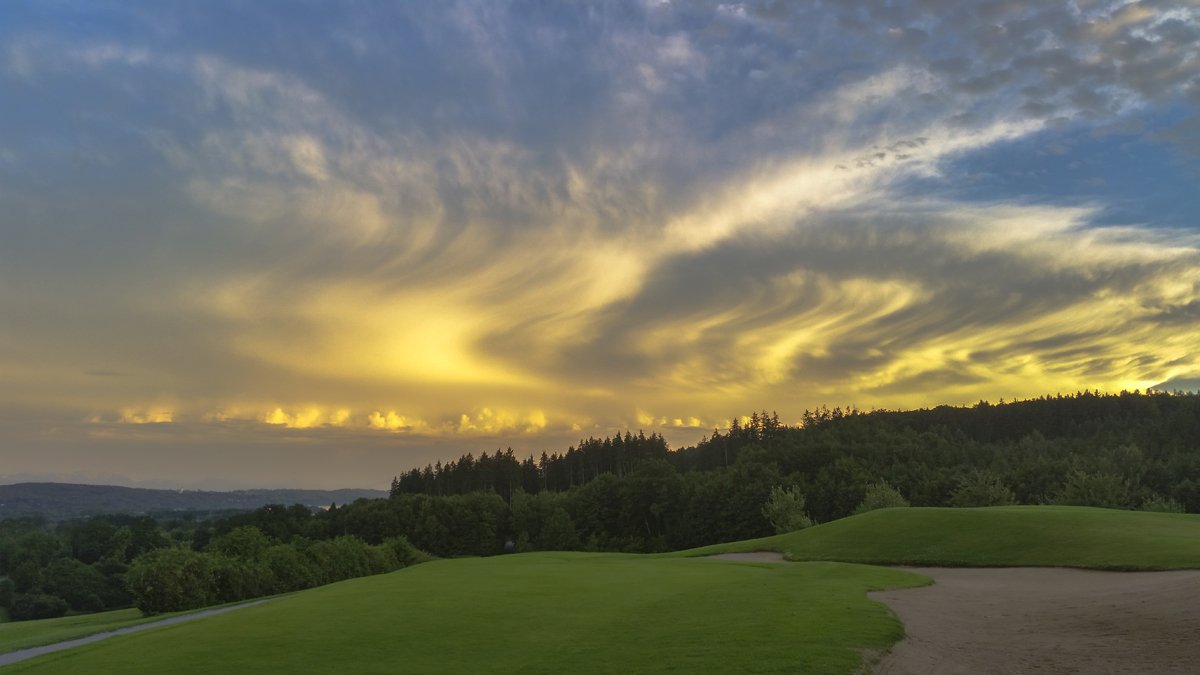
(503, 472)
(1149, 442)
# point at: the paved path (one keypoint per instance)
(22, 654)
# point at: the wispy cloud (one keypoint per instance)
(486, 221)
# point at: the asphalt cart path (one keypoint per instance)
(22, 654)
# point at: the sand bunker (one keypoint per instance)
(1046, 621)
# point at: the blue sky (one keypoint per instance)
(319, 243)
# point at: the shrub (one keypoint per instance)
(79, 584)
(27, 607)
(289, 569)
(982, 488)
(170, 580)
(114, 593)
(1159, 504)
(7, 590)
(246, 543)
(558, 534)
(406, 553)
(784, 509)
(880, 496)
(25, 573)
(1094, 489)
(233, 579)
(166, 580)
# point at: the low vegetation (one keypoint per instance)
(880, 496)
(535, 613)
(246, 564)
(96, 565)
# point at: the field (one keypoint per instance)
(532, 613)
(22, 634)
(601, 613)
(16, 635)
(1002, 536)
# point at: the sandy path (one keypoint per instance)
(1046, 621)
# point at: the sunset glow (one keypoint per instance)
(334, 243)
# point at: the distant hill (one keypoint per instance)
(59, 501)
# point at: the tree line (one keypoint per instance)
(115, 561)
(245, 563)
(504, 474)
(633, 493)
(1043, 450)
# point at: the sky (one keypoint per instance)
(315, 244)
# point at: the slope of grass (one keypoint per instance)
(24, 634)
(532, 613)
(1004, 536)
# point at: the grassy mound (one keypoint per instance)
(1002, 536)
(532, 613)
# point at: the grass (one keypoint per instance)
(25, 634)
(532, 613)
(600, 613)
(1003, 536)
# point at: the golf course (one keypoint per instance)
(603, 612)
(999, 536)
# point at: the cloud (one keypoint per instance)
(147, 414)
(477, 221)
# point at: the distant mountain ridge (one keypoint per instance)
(58, 501)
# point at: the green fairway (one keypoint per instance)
(1002, 536)
(532, 613)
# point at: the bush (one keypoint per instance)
(1162, 505)
(880, 496)
(1094, 489)
(406, 553)
(558, 534)
(785, 510)
(114, 593)
(31, 606)
(289, 568)
(25, 573)
(982, 488)
(79, 584)
(166, 580)
(246, 543)
(7, 590)
(171, 580)
(233, 579)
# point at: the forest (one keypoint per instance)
(629, 493)
(1111, 450)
